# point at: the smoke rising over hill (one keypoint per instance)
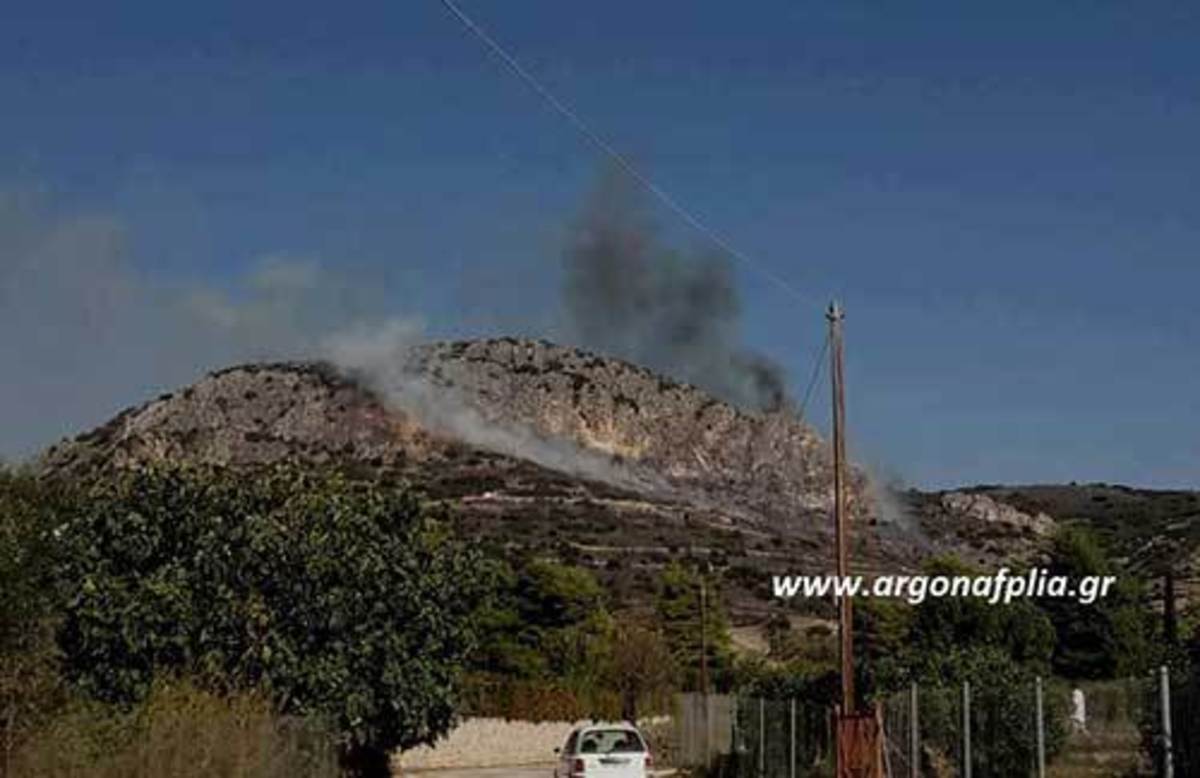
(86, 331)
(627, 294)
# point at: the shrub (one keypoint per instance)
(537, 700)
(178, 731)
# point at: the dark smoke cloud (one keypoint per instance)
(628, 295)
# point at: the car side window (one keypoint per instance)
(569, 748)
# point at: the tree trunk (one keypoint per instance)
(629, 706)
(366, 762)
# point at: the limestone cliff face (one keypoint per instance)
(769, 467)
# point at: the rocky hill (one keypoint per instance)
(1148, 531)
(543, 447)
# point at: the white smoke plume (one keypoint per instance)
(891, 512)
(380, 357)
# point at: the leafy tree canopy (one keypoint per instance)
(939, 625)
(1111, 637)
(345, 601)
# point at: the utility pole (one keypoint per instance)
(840, 520)
(860, 737)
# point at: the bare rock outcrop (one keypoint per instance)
(979, 507)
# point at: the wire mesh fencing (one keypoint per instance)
(1130, 728)
(704, 729)
(1103, 727)
(1184, 735)
(923, 731)
(740, 737)
(984, 730)
(782, 739)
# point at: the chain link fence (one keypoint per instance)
(1048, 729)
(1115, 733)
(741, 737)
(1125, 729)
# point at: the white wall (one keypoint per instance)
(491, 743)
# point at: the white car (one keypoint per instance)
(604, 751)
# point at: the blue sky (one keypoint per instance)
(1006, 197)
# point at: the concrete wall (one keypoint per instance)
(491, 743)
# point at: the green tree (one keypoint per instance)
(29, 681)
(942, 642)
(544, 619)
(345, 601)
(553, 595)
(546, 642)
(640, 667)
(691, 634)
(1018, 629)
(1111, 637)
(1002, 699)
(508, 646)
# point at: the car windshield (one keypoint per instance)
(610, 741)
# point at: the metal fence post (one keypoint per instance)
(762, 736)
(1164, 686)
(914, 733)
(966, 729)
(1039, 720)
(735, 735)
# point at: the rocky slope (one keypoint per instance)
(562, 409)
(537, 446)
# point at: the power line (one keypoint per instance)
(620, 159)
(818, 363)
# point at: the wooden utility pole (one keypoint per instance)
(860, 736)
(840, 520)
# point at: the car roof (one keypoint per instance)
(621, 725)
